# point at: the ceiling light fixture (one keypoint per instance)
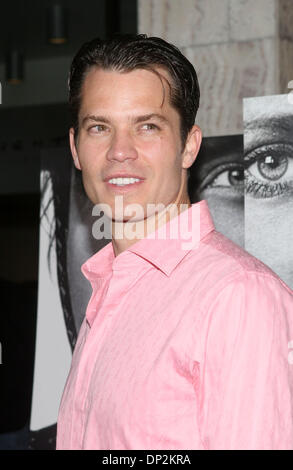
(57, 24)
(14, 67)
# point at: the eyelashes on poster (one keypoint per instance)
(247, 181)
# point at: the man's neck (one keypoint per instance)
(123, 237)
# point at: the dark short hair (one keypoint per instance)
(127, 52)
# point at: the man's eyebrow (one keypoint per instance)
(94, 118)
(148, 117)
(136, 119)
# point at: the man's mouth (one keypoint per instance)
(124, 181)
(121, 182)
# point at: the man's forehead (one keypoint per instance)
(98, 76)
(154, 83)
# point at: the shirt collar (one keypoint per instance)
(162, 253)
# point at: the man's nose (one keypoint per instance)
(122, 147)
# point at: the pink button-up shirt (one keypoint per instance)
(181, 349)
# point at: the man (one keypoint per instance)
(185, 345)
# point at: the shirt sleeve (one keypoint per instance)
(246, 392)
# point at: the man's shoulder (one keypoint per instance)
(225, 250)
(228, 253)
(221, 262)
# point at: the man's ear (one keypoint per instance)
(73, 149)
(192, 146)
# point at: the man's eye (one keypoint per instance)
(98, 128)
(149, 127)
(269, 170)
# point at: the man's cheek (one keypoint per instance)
(90, 171)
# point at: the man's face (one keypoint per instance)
(127, 128)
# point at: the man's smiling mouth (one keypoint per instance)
(123, 181)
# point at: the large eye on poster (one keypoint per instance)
(217, 175)
(268, 158)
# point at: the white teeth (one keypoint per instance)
(123, 181)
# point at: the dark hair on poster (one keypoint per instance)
(57, 171)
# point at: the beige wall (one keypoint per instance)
(240, 48)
